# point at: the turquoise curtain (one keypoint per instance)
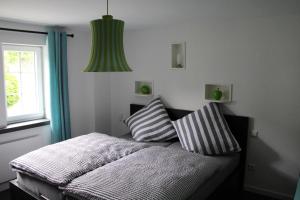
(297, 195)
(59, 98)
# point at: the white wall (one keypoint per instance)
(259, 56)
(81, 85)
(14, 144)
(89, 92)
(102, 103)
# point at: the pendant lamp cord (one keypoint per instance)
(107, 7)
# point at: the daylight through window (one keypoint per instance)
(23, 82)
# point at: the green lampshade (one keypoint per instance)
(107, 53)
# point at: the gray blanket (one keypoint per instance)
(152, 173)
(60, 163)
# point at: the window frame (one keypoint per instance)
(39, 78)
(3, 114)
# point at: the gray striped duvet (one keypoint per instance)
(60, 163)
(151, 173)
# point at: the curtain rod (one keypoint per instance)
(28, 31)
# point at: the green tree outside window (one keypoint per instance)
(12, 90)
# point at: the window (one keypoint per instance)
(22, 75)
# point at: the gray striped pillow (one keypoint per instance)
(206, 131)
(151, 123)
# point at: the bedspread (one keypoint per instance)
(60, 163)
(151, 173)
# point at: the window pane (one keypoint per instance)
(27, 61)
(11, 61)
(21, 83)
(12, 84)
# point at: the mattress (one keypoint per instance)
(40, 188)
(50, 192)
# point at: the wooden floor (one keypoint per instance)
(247, 196)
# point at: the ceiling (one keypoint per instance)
(140, 13)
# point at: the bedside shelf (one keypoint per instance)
(217, 101)
(138, 88)
(144, 95)
(225, 89)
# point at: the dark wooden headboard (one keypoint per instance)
(238, 125)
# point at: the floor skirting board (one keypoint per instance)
(267, 192)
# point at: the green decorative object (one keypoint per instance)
(217, 94)
(107, 52)
(145, 89)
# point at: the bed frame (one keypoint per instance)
(231, 188)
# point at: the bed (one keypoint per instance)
(227, 182)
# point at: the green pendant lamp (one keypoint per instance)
(107, 53)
